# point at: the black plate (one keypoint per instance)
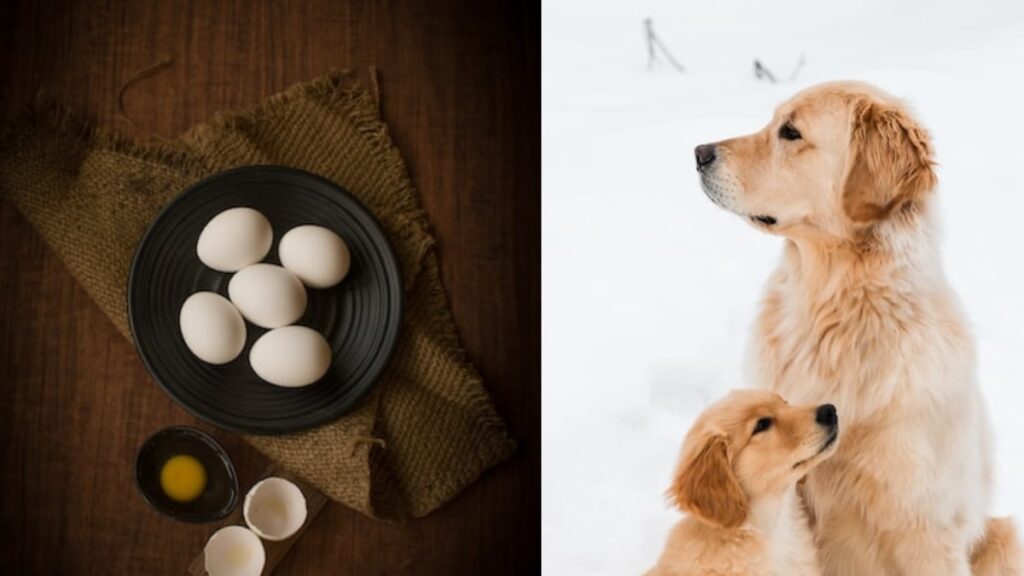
(360, 317)
(221, 492)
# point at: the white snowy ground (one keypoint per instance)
(649, 289)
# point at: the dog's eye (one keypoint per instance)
(762, 425)
(787, 132)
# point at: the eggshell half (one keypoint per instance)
(212, 328)
(318, 256)
(234, 239)
(267, 295)
(234, 551)
(291, 356)
(274, 509)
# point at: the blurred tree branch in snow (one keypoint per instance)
(761, 72)
(654, 44)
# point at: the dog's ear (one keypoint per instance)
(890, 165)
(705, 485)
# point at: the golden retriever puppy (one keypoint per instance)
(860, 314)
(737, 480)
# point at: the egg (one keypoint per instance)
(234, 551)
(212, 328)
(318, 256)
(234, 239)
(291, 356)
(267, 295)
(274, 509)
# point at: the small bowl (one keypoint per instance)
(221, 492)
(274, 509)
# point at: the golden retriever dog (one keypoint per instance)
(859, 313)
(737, 479)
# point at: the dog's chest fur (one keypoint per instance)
(776, 541)
(789, 545)
(862, 344)
(893, 354)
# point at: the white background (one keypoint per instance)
(649, 289)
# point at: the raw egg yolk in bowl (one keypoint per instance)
(183, 478)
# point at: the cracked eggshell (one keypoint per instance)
(234, 551)
(274, 509)
(291, 356)
(234, 239)
(318, 256)
(212, 328)
(267, 295)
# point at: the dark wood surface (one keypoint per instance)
(461, 91)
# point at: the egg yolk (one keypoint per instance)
(183, 478)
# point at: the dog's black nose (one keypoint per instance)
(705, 154)
(826, 415)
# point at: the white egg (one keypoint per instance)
(234, 239)
(212, 328)
(274, 509)
(291, 356)
(318, 256)
(234, 551)
(267, 295)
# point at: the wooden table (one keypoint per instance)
(461, 90)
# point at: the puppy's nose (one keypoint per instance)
(705, 154)
(826, 415)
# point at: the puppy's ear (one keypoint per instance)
(890, 166)
(706, 486)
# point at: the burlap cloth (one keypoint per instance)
(428, 428)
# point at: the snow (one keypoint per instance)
(649, 289)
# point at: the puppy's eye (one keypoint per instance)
(762, 425)
(787, 132)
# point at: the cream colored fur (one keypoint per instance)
(739, 489)
(859, 313)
